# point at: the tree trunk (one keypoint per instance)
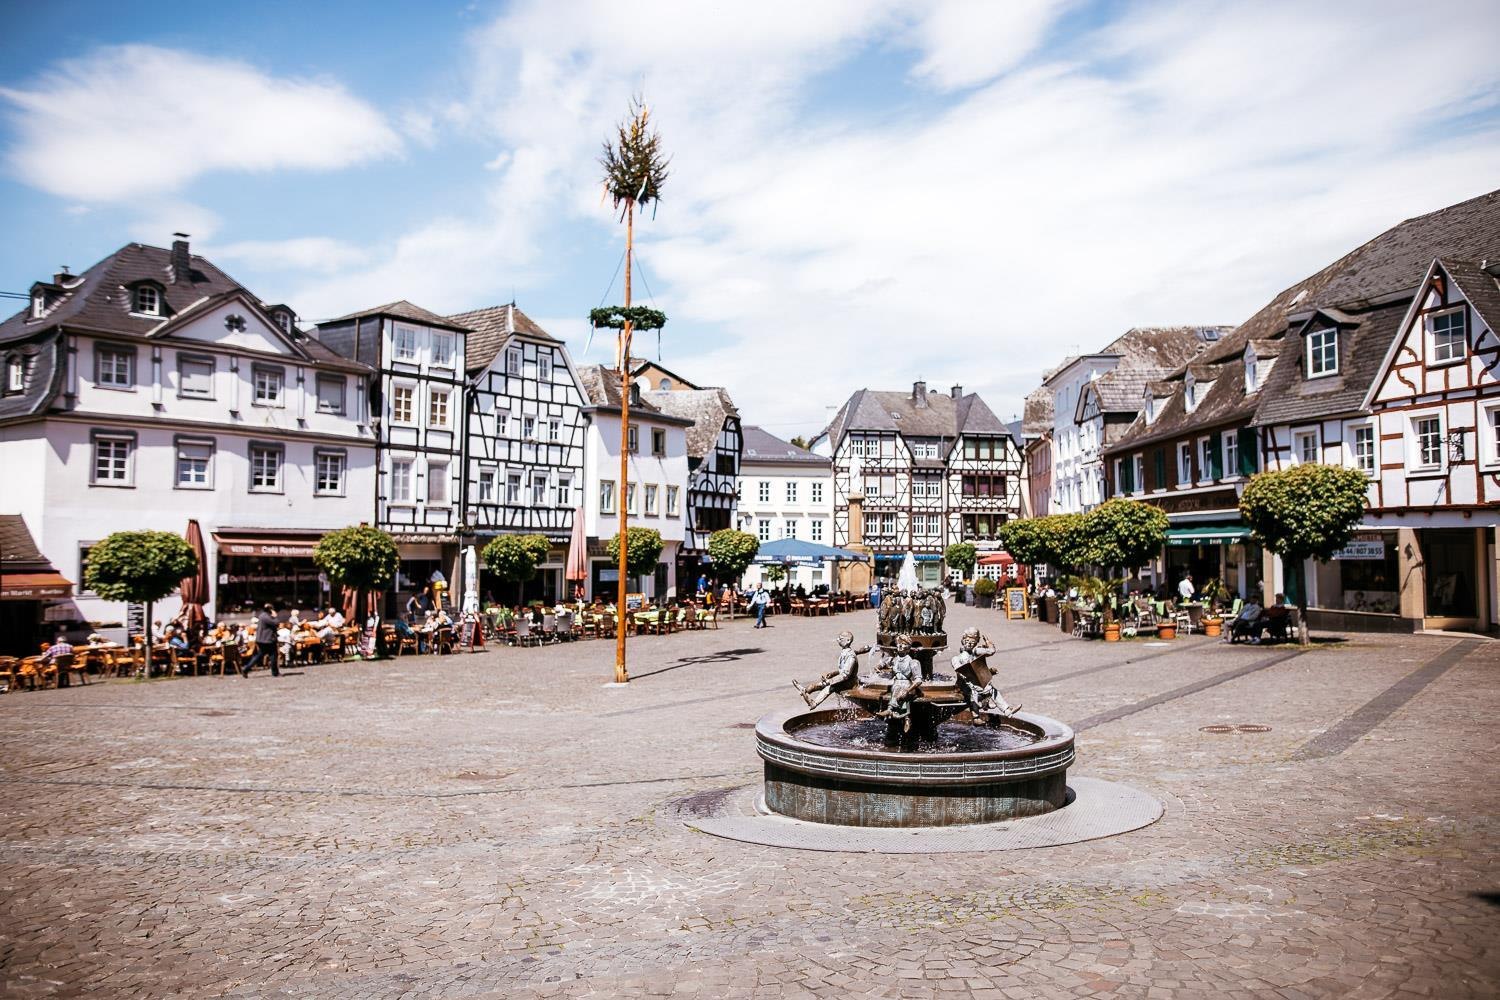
(148, 639)
(622, 675)
(1303, 638)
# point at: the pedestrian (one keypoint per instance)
(265, 642)
(1185, 588)
(760, 601)
(875, 594)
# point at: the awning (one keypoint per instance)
(33, 586)
(927, 557)
(266, 545)
(996, 559)
(1227, 534)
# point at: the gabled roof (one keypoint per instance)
(18, 551)
(492, 326)
(641, 366)
(708, 409)
(401, 309)
(763, 448)
(601, 387)
(940, 416)
(1124, 389)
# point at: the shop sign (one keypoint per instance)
(1362, 548)
(1197, 502)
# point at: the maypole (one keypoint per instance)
(634, 170)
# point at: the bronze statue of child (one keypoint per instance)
(841, 678)
(976, 679)
(906, 682)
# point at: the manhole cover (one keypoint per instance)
(1243, 727)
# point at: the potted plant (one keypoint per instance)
(1166, 629)
(1096, 592)
(984, 592)
(1213, 594)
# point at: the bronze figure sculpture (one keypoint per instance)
(841, 678)
(976, 679)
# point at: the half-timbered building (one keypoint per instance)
(524, 427)
(921, 471)
(714, 446)
(419, 411)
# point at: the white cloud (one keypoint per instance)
(306, 254)
(966, 42)
(140, 120)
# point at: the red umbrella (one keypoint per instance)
(194, 588)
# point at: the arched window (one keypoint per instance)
(147, 300)
(664, 384)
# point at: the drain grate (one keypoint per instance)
(1243, 727)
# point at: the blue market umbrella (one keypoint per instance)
(794, 552)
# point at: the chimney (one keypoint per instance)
(958, 392)
(919, 393)
(182, 261)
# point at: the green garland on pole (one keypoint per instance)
(640, 317)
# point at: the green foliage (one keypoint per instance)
(985, 587)
(798, 442)
(773, 574)
(1092, 589)
(1120, 533)
(731, 551)
(140, 566)
(514, 558)
(635, 167)
(1213, 593)
(960, 556)
(1309, 511)
(361, 557)
(1022, 540)
(1063, 540)
(642, 550)
(640, 317)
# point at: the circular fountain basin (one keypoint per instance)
(822, 767)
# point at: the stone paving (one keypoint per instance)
(506, 825)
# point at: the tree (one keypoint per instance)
(514, 558)
(961, 556)
(732, 553)
(773, 573)
(1063, 540)
(798, 442)
(1022, 540)
(141, 567)
(644, 546)
(360, 557)
(635, 168)
(1306, 512)
(1121, 533)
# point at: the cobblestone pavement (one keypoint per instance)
(506, 825)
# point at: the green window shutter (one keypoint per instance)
(1127, 474)
(1248, 454)
(1159, 463)
(1215, 457)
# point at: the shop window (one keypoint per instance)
(1449, 558)
(1371, 582)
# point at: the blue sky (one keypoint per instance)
(863, 193)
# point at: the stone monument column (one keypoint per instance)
(856, 577)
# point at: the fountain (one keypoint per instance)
(911, 747)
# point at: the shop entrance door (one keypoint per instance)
(1449, 557)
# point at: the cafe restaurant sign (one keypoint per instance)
(1362, 548)
(296, 548)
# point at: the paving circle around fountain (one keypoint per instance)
(1095, 809)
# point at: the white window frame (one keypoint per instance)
(15, 374)
(1138, 466)
(651, 492)
(1205, 460)
(543, 366)
(763, 491)
(1299, 453)
(791, 491)
(631, 507)
(1251, 372)
(485, 487)
(607, 496)
(443, 348)
(563, 494)
(528, 427)
(138, 300)
(179, 445)
(789, 527)
(410, 391)
(1414, 464)
(1489, 436)
(816, 489)
(202, 361)
(324, 381)
(763, 529)
(257, 450)
(1322, 344)
(515, 486)
(121, 458)
(1229, 451)
(263, 379)
(1428, 322)
(1184, 463)
(403, 476)
(106, 358)
(502, 421)
(554, 428)
(403, 343)
(539, 483)
(672, 501)
(1190, 393)
(513, 360)
(438, 492)
(438, 408)
(325, 459)
(1353, 431)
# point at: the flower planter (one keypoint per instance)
(1213, 627)
(1065, 619)
(1112, 632)
(1166, 631)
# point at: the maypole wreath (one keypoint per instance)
(639, 317)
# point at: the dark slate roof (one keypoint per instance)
(491, 327)
(762, 448)
(1036, 418)
(601, 387)
(1124, 389)
(401, 309)
(100, 298)
(39, 354)
(1363, 341)
(941, 416)
(706, 408)
(18, 551)
(1392, 263)
(1479, 286)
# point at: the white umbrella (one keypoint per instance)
(471, 580)
(907, 578)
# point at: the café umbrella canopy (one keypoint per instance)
(194, 587)
(796, 552)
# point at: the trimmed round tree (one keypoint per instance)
(1063, 540)
(961, 556)
(360, 557)
(141, 567)
(642, 550)
(1309, 511)
(1022, 540)
(1122, 533)
(732, 552)
(773, 573)
(514, 558)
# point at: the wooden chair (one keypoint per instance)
(10, 668)
(72, 664)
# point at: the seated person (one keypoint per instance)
(294, 620)
(1244, 625)
(405, 631)
(175, 639)
(284, 642)
(328, 626)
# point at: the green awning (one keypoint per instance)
(1227, 534)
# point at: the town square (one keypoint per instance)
(916, 498)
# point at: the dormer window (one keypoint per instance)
(15, 374)
(38, 304)
(1250, 381)
(147, 300)
(1190, 392)
(1323, 353)
(284, 320)
(1150, 408)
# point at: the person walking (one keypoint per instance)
(265, 642)
(760, 601)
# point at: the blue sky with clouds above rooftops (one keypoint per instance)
(864, 192)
